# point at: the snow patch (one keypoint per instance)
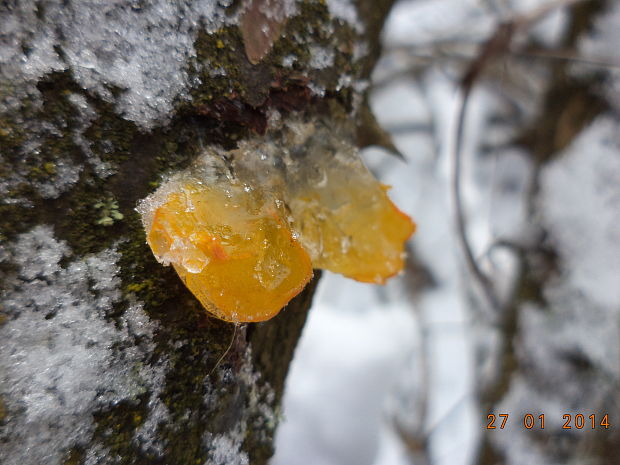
(580, 202)
(62, 175)
(258, 414)
(321, 57)
(60, 362)
(346, 11)
(226, 448)
(141, 49)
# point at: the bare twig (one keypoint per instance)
(483, 281)
(568, 55)
(498, 44)
(495, 46)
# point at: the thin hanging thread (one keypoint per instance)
(232, 340)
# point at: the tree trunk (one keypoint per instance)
(558, 364)
(106, 356)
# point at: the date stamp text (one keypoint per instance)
(537, 421)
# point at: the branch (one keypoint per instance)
(497, 45)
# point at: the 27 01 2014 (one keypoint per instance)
(571, 421)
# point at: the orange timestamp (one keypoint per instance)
(571, 421)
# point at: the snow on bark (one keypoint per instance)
(141, 49)
(61, 359)
(80, 85)
(346, 11)
(226, 448)
(65, 359)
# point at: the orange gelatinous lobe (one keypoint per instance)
(244, 228)
(350, 226)
(230, 248)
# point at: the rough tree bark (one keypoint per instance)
(105, 356)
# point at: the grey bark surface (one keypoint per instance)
(106, 357)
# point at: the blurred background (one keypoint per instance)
(408, 373)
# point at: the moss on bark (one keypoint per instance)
(200, 398)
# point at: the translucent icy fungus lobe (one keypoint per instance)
(230, 247)
(244, 235)
(343, 215)
(350, 226)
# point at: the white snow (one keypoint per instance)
(226, 448)
(59, 364)
(346, 11)
(321, 57)
(340, 410)
(347, 360)
(141, 49)
(580, 202)
(65, 174)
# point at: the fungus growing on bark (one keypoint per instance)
(244, 228)
(230, 247)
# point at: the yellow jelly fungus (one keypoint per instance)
(244, 228)
(350, 226)
(231, 249)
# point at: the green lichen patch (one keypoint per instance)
(41, 161)
(77, 220)
(34, 136)
(309, 34)
(108, 212)
(218, 69)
